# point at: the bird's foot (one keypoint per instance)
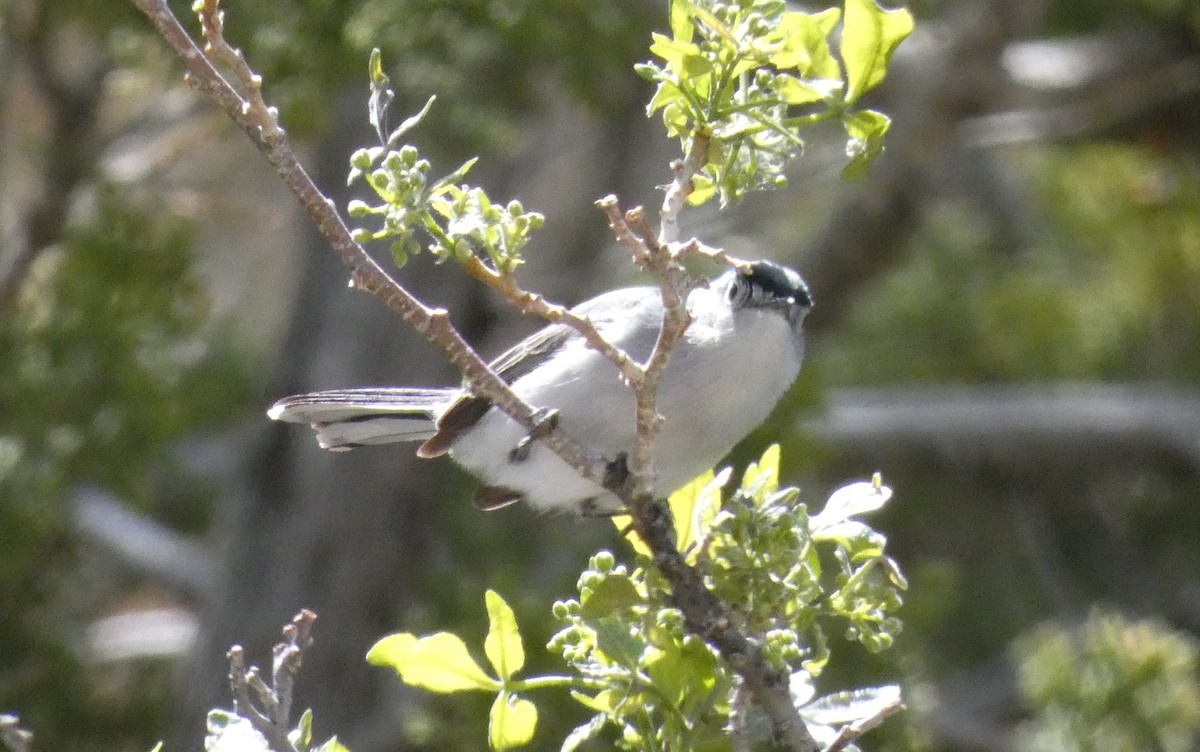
(545, 420)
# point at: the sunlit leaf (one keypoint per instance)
(805, 45)
(850, 500)
(706, 17)
(695, 505)
(761, 478)
(583, 733)
(682, 28)
(614, 593)
(227, 732)
(443, 184)
(301, 736)
(869, 37)
(332, 745)
(411, 122)
(613, 638)
(503, 641)
(682, 58)
(603, 702)
(866, 130)
(853, 705)
(438, 662)
(801, 687)
(511, 722)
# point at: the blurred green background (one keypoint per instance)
(1007, 325)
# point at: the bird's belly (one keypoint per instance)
(703, 398)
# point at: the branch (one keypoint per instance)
(851, 731)
(1021, 422)
(704, 614)
(268, 709)
(681, 187)
(260, 124)
(70, 148)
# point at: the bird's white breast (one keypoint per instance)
(721, 382)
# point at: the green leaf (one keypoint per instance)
(452, 179)
(796, 92)
(866, 130)
(869, 37)
(381, 94)
(614, 593)
(715, 24)
(703, 189)
(332, 745)
(695, 505)
(438, 662)
(228, 732)
(681, 20)
(613, 638)
(411, 122)
(805, 46)
(679, 671)
(850, 500)
(761, 478)
(684, 59)
(583, 733)
(604, 701)
(503, 642)
(511, 722)
(301, 736)
(157, 747)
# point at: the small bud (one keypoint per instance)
(380, 179)
(358, 209)
(603, 561)
(393, 162)
(408, 154)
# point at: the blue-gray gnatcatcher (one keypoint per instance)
(741, 352)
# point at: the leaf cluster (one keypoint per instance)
(1110, 683)
(458, 221)
(229, 732)
(750, 74)
(789, 577)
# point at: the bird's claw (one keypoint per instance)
(545, 420)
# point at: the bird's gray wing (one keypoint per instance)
(531, 353)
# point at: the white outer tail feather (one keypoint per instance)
(348, 418)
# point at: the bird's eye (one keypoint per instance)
(739, 291)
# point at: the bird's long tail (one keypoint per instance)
(349, 418)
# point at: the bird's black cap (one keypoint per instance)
(778, 280)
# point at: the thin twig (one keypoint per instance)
(269, 708)
(537, 304)
(851, 731)
(681, 187)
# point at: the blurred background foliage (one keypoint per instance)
(1012, 298)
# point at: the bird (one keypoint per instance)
(741, 352)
